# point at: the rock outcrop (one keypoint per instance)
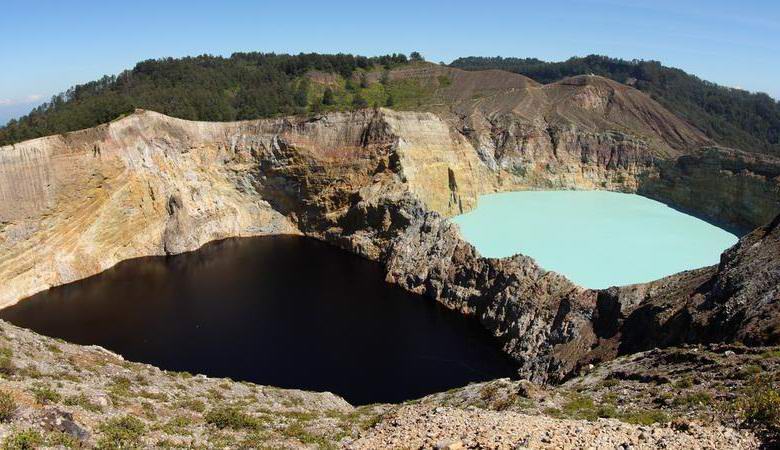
(76, 204)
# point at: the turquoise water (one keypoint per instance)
(597, 239)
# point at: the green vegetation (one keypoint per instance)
(729, 116)
(23, 440)
(178, 425)
(693, 399)
(230, 417)
(297, 431)
(82, 401)
(579, 406)
(7, 407)
(760, 404)
(59, 439)
(6, 362)
(243, 86)
(644, 416)
(44, 394)
(774, 353)
(193, 404)
(121, 432)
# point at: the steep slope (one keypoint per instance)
(734, 117)
(589, 132)
(73, 205)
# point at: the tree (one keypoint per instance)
(359, 102)
(385, 77)
(416, 57)
(242, 86)
(327, 97)
(302, 93)
(363, 80)
(389, 102)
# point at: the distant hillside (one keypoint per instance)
(257, 85)
(212, 88)
(731, 117)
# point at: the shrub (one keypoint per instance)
(7, 407)
(693, 399)
(59, 439)
(178, 425)
(193, 404)
(359, 102)
(230, 417)
(23, 440)
(45, 394)
(645, 417)
(6, 363)
(121, 432)
(761, 405)
(488, 392)
(82, 401)
(684, 383)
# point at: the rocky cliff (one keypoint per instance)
(73, 205)
(382, 183)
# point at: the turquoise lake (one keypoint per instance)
(595, 238)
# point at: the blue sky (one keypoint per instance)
(48, 45)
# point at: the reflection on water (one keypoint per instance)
(283, 311)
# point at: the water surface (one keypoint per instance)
(283, 311)
(596, 238)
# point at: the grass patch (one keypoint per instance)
(178, 425)
(693, 399)
(774, 353)
(7, 407)
(193, 404)
(6, 361)
(231, 417)
(82, 401)
(23, 440)
(44, 394)
(749, 371)
(644, 417)
(684, 382)
(121, 432)
(297, 431)
(760, 406)
(53, 348)
(159, 396)
(119, 389)
(59, 439)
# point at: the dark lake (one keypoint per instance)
(283, 311)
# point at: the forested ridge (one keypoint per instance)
(256, 85)
(732, 117)
(212, 88)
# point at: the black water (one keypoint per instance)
(282, 311)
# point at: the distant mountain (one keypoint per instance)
(731, 117)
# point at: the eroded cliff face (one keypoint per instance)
(381, 183)
(74, 205)
(588, 132)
